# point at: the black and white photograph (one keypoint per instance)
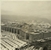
(25, 25)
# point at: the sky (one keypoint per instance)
(27, 8)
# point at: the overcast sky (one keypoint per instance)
(27, 8)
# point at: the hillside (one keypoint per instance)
(7, 18)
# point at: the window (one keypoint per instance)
(16, 49)
(12, 30)
(5, 28)
(45, 48)
(27, 36)
(15, 30)
(18, 32)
